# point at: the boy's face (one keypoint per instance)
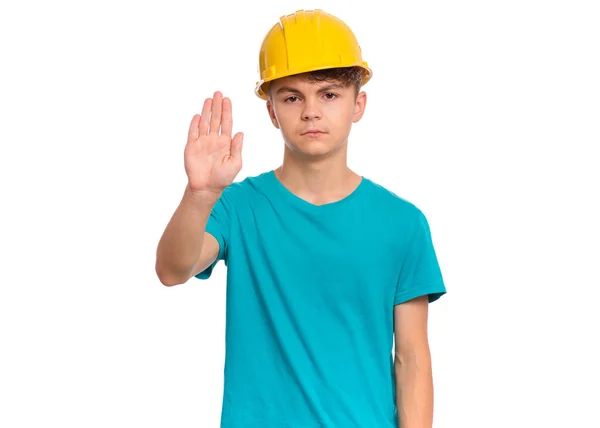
(296, 107)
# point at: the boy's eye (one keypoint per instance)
(328, 95)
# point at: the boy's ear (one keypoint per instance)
(272, 115)
(359, 106)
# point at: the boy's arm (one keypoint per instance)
(185, 248)
(212, 159)
(412, 364)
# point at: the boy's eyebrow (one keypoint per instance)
(297, 91)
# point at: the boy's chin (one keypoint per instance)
(313, 150)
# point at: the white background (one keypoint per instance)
(486, 115)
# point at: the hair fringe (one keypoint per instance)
(346, 76)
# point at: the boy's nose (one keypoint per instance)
(310, 111)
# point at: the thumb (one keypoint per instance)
(236, 146)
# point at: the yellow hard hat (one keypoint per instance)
(307, 41)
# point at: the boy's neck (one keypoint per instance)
(318, 182)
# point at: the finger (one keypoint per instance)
(193, 132)
(236, 147)
(215, 117)
(227, 120)
(205, 118)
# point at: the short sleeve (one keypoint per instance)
(420, 273)
(218, 225)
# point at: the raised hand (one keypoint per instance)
(212, 158)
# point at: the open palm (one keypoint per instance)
(212, 157)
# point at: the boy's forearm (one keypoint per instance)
(181, 243)
(414, 391)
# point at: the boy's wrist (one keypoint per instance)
(202, 197)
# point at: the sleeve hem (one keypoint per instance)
(219, 237)
(434, 293)
(206, 273)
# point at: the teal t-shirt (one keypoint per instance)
(310, 297)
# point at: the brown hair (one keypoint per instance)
(346, 76)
